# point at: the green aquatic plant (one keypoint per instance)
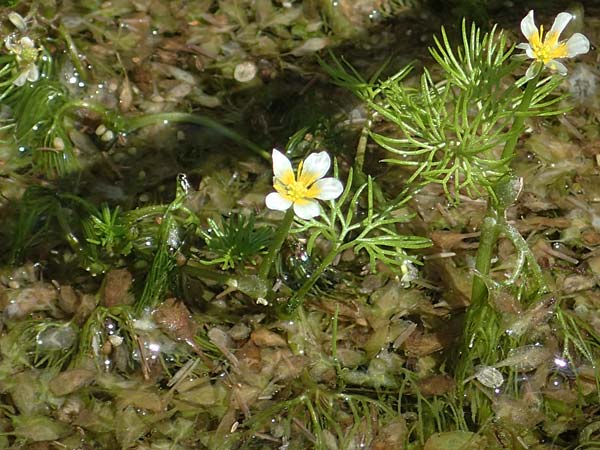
(48, 217)
(348, 370)
(109, 230)
(107, 328)
(320, 418)
(339, 224)
(169, 241)
(45, 110)
(459, 129)
(449, 130)
(42, 343)
(235, 241)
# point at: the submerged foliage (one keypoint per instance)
(175, 311)
(236, 241)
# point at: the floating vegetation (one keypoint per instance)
(292, 225)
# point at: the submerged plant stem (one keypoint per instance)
(73, 53)
(489, 230)
(282, 232)
(298, 298)
(489, 236)
(151, 119)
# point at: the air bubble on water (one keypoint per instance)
(560, 362)
(375, 15)
(154, 347)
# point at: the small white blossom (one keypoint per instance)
(26, 55)
(547, 50)
(302, 192)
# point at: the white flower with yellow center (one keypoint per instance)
(302, 192)
(26, 55)
(547, 50)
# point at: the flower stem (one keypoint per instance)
(482, 332)
(298, 298)
(517, 127)
(489, 236)
(282, 232)
(489, 231)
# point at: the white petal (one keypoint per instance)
(315, 166)
(577, 45)
(527, 48)
(528, 27)
(282, 166)
(32, 72)
(308, 209)
(20, 80)
(275, 201)
(557, 66)
(560, 23)
(329, 188)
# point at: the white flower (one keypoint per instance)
(26, 55)
(547, 50)
(303, 191)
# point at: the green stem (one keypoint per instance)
(282, 232)
(517, 127)
(73, 53)
(298, 298)
(478, 309)
(132, 124)
(81, 104)
(197, 270)
(489, 235)
(489, 231)
(151, 119)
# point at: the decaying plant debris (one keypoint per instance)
(133, 173)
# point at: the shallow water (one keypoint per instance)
(133, 226)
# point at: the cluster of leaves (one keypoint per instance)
(235, 241)
(364, 387)
(451, 132)
(375, 232)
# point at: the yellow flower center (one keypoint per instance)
(297, 191)
(548, 49)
